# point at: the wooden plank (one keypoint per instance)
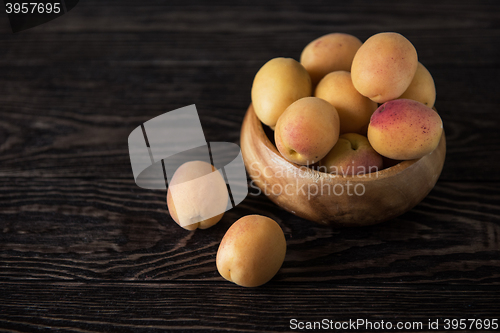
(74, 122)
(130, 307)
(92, 229)
(445, 33)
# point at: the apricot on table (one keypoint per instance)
(197, 195)
(307, 130)
(277, 84)
(329, 53)
(354, 109)
(404, 129)
(384, 66)
(252, 251)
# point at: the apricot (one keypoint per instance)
(197, 195)
(277, 84)
(421, 88)
(384, 66)
(252, 251)
(404, 129)
(354, 109)
(307, 130)
(329, 53)
(352, 155)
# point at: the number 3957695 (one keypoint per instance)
(32, 8)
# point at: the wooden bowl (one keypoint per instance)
(336, 200)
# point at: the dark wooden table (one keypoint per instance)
(83, 249)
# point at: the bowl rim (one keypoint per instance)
(378, 175)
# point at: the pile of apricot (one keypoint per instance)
(345, 95)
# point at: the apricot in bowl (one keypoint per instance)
(337, 200)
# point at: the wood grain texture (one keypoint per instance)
(142, 307)
(53, 130)
(67, 229)
(83, 249)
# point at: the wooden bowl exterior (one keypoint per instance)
(336, 200)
